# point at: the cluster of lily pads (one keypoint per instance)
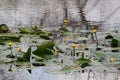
(45, 50)
(35, 31)
(114, 42)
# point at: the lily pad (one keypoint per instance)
(24, 30)
(44, 50)
(25, 57)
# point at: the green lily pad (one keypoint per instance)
(24, 30)
(44, 50)
(25, 57)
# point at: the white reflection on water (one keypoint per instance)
(47, 73)
(54, 73)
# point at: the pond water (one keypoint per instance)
(56, 70)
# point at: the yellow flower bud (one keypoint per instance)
(19, 49)
(94, 31)
(65, 21)
(112, 59)
(73, 45)
(10, 43)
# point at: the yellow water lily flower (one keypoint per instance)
(19, 49)
(94, 31)
(65, 21)
(112, 59)
(10, 43)
(73, 45)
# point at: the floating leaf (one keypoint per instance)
(4, 28)
(24, 30)
(44, 49)
(26, 56)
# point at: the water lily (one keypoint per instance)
(112, 59)
(73, 45)
(10, 43)
(19, 48)
(65, 21)
(94, 31)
